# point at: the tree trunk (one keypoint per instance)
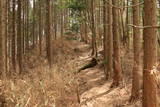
(19, 37)
(150, 54)
(33, 36)
(116, 47)
(27, 25)
(105, 44)
(110, 39)
(48, 33)
(13, 37)
(7, 2)
(93, 29)
(2, 38)
(137, 50)
(40, 26)
(55, 20)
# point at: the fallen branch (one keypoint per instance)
(91, 64)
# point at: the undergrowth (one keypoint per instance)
(41, 86)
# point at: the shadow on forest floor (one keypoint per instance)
(95, 91)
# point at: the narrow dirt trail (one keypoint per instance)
(95, 91)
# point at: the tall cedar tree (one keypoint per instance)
(116, 47)
(110, 38)
(19, 36)
(13, 36)
(2, 37)
(137, 48)
(48, 32)
(150, 54)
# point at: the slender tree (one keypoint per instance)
(34, 12)
(27, 25)
(137, 49)
(110, 39)
(19, 36)
(40, 26)
(116, 47)
(55, 19)
(105, 38)
(13, 36)
(93, 30)
(48, 32)
(2, 37)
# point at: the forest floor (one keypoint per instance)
(61, 87)
(95, 91)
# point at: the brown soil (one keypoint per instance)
(95, 90)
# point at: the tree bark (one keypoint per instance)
(150, 54)
(48, 33)
(93, 29)
(137, 50)
(2, 38)
(19, 36)
(105, 44)
(110, 39)
(40, 27)
(13, 37)
(116, 47)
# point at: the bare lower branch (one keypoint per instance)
(121, 8)
(143, 27)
